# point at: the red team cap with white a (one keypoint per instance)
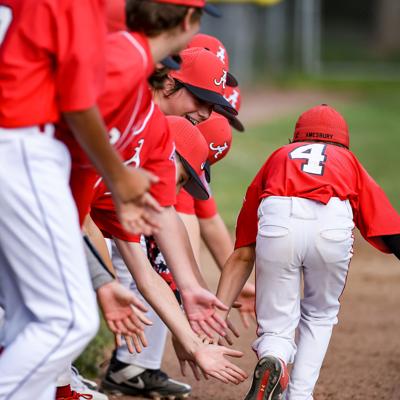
(218, 134)
(322, 123)
(193, 151)
(214, 45)
(232, 95)
(208, 8)
(205, 76)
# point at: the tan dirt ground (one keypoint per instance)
(363, 360)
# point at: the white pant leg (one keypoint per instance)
(50, 306)
(325, 271)
(278, 279)
(151, 356)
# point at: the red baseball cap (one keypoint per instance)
(218, 134)
(232, 95)
(205, 76)
(214, 45)
(322, 123)
(193, 151)
(208, 8)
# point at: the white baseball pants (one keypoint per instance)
(156, 334)
(50, 307)
(300, 238)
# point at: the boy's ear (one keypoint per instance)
(187, 21)
(169, 85)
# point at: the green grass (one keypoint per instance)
(374, 121)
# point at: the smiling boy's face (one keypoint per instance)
(182, 177)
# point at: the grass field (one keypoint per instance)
(373, 116)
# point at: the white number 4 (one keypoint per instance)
(315, 156)
(5, 21)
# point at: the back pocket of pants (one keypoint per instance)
(335, 244)
(273, 243)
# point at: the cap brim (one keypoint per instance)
(207, 171)
(231, 80)
(211, 97)
(232, 119)
(170, 63)
(194, 186)
(212, 10)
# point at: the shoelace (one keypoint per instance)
(78, 396)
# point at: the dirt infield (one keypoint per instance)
(363, 362)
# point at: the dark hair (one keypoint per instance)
(152, 18)
(319, 141)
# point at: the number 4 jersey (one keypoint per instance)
(319, 171)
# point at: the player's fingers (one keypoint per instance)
(141, 316)
(151, 203)
(245, 320)
(232, 353)
(143, 339)
(219, 304)
(236, 304)
(129, 344)
(152, 177)
(122, 329)
(227, 375)
(205, 328)
(196, 328)
(112, 326)
(218, 376)
(254, 316)
(134, 301)
(233, 328)
(133, 324)
(228, 339)
(238, 371)
(183, 367)
(216, 326)
(220, 321)
(195, 370)
(118, 341)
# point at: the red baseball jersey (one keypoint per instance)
(319, 171)
(186, 204)
(125, 104)
(51, 58)
(153, 149)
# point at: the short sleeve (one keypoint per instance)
(184, 203)
(205, 208)
(80, 40)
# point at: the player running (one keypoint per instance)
(297, 221)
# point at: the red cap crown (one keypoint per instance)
(189, 142)
(232, 95)
(202, 69)
(218, 134)
(212, 44)
(322, 123)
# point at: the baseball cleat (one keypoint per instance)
(270, 380)
(85, 387)
(151, 383)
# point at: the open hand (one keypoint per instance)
(124, 315)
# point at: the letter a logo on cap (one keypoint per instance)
(222, 80)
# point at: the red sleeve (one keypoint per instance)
(374, 216)
(184, 203)
(247, 222)
(205, 208)
(162, 164)
(80, 42)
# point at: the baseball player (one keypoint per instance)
(43, 45)
(296, 222)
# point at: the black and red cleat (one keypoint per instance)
(270, 380)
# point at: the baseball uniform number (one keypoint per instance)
(5, 21)
(315, 156)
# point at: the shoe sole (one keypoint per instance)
(115, 390)
(274, 367)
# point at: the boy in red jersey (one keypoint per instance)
(50, 67)
(297, 219)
